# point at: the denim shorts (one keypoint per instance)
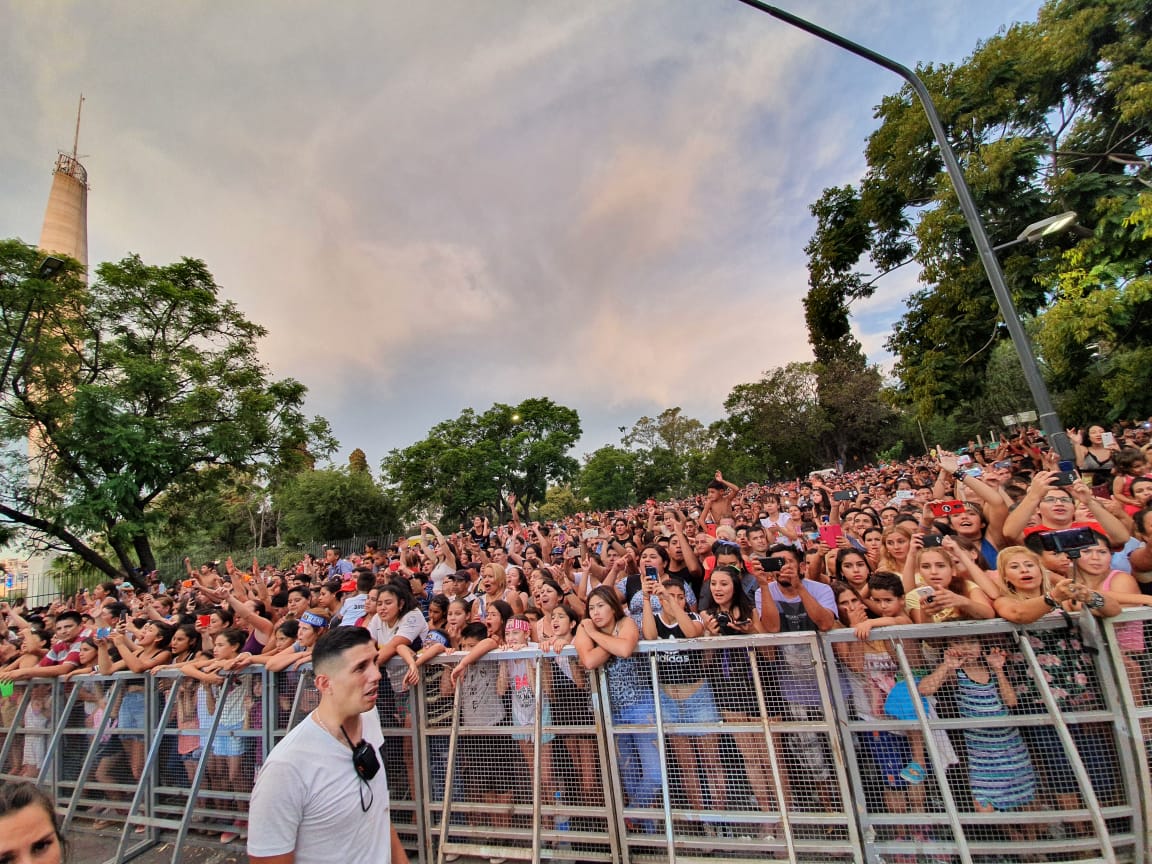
(700, 707)
(227, 744)
(131, 715)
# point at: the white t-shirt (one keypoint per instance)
(411, 626)
(307, 800)
(352, 610)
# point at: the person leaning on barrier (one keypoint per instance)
(322, 796)
(1029, 596)
(29, 830)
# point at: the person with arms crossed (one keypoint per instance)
(322, 795)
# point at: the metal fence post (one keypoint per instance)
(1071, 753)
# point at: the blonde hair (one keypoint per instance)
(499, 579)
(1009, 554)
(887, 562)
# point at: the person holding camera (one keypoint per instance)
(313, 799)
(1052, 497)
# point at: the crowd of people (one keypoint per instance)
(999, 531)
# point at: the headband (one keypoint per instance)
(515, 624)
(313, 619)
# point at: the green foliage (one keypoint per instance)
(664, 449)
(146, 383)
(773, 427)
(559, 501)
(606, 478)
(319, 506)
(1095, 335)
(468, 465)
(1042, 117)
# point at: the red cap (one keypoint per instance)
(349, 585)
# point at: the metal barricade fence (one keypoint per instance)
(726, 749)
(977, 740)
(1127, 636)
(512, 763)
(1013, 742)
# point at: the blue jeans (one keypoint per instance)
(638, 754)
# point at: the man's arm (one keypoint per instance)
(821, 616)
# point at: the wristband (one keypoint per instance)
(1048, 599)
(1096, 601)
(958, 476)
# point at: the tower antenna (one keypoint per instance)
(76, 140)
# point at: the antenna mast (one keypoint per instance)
(76, 140)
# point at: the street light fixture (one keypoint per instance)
(49, 268)
(1067, 221)
(1049, 421)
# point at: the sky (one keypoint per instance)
(435, 206)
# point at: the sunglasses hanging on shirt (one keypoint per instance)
(367, 765)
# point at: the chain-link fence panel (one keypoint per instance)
(747, 766)
(513, 768)
(27, 714)
(976, 740)
(401, 754)
(1128, 636)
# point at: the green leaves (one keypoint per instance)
(469, 465)
(136, 388)
(1044, 117)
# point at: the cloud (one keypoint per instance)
(440, 206)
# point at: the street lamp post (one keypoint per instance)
(1049, 421)
(49, 267)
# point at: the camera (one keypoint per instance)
(947, 508)
(772, 565)
(1070, 540)
(1063, 478)
(723, 619)
(933, 540)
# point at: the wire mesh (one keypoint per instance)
(1011, 742)
(965, 757)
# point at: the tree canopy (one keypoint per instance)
(145, 385)
(469, 464)
(1046, 116)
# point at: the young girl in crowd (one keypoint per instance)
(685, 694)
(871, 670)
(937, 590)
(1000, 773)
(606, 640)
(733, 613)
(572, 706)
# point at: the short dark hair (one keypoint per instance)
(474, 630)
(365, 582)
(303, 590)
(882, 580)
(784, 547)
(69, 615)
(335, 642)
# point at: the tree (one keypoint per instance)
(856, 418)
(606, 478)
(1046, 116)
(559, 501)
(358, 462)
(468, 465)
(1095, 333)
(143, 385)
(334, 503)
(664, 447)
(773, 426)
